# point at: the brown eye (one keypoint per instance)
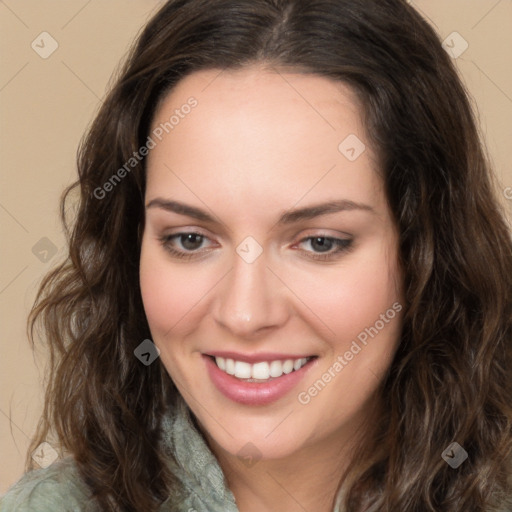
(191, 241)
(186, 245)
(325, 247)
(322, 244)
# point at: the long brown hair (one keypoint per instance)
(451, 377)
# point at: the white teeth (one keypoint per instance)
(288, 366)
(230, 366)
(276, 369)
(242, 370)
(259, 371)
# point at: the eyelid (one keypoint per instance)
(331, 233)
(181, 254)
(310, 232)
(341, 245)
(321, 233)
(187, 231)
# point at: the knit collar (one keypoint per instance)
(204, 485)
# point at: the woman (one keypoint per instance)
(289, 280)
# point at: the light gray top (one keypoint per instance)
(59, 487)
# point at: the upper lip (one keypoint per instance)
(256, 358)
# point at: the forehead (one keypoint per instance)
(263, 133)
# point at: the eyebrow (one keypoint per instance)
(287, 217)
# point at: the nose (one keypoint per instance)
(251, 300)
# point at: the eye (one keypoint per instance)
(325, 247)
(188, 245)
(184, 245)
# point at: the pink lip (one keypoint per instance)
(254, 393)
(256, 358)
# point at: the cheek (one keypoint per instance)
(169, 292)
(354, 295)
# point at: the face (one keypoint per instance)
(269, 268)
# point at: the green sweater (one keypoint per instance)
(59, 487)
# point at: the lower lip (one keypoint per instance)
(254, 393)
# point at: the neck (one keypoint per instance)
(307, 479)
(270, 486)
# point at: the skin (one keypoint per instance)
(261, 142)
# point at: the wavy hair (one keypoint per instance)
(450, 379)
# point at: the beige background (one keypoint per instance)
(46, 104)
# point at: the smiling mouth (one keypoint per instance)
(264, 371)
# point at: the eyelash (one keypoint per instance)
(342, 246)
